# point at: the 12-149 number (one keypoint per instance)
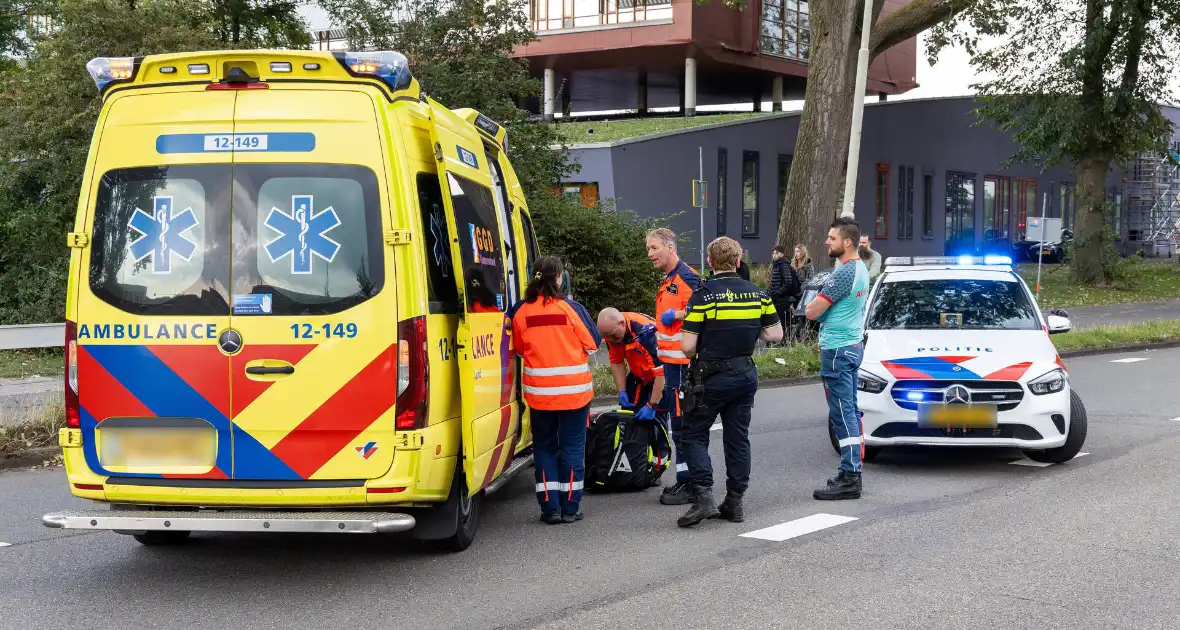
(307, 331)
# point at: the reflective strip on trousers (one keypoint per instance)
(551, 485)
(564, 370)
(558, 391)
(681, 467)
(567, 487)
(852, 441)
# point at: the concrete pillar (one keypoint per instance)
(690, 87)
(641, 96)
(757, 98)
(777, 93)
(550, 92)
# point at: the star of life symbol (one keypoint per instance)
(161, 234)
(301, 234)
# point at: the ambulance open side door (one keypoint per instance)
(482, 341)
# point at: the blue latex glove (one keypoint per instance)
(668, 317)
(646, 413)
(624, 400)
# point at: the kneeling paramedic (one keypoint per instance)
(725, 320)
(555, 337)
(634, 360)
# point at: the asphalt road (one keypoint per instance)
(941, 538)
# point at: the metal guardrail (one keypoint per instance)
(27, 336)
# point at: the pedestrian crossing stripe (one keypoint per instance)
(624, 464)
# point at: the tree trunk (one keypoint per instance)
(821, 149)
(815, 188)
(1089, 241)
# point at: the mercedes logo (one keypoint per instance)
(957, 395)
(230, 341)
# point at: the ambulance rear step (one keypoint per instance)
(312, 522)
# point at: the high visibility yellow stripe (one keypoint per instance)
(739, 314)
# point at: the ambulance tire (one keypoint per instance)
(870, 453)
(162, 538)
(452, 525)
(1075, 436)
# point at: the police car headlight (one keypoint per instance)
(869, 382)
(1050, 383)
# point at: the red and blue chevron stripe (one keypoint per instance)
(949, 367)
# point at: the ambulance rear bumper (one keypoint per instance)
(311, 522)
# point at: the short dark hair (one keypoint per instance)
(779, 249)
(849, 228)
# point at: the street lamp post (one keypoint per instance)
(858, 107)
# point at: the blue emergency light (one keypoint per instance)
(990, 260)
(390, 67)
(108, 70)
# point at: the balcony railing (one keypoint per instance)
(558, 15)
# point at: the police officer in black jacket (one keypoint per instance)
(726, 317)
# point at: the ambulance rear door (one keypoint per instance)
(153, 385)
(482, 340)
(314, 294)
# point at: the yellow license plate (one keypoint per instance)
(1046, 251)
(958, 416)
(163, 447)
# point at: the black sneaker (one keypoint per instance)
(679, 494)
(846, 486)
(571, 518)
(552, 518)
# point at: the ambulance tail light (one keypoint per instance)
(390, 67)
(413, 377)
(73, 409)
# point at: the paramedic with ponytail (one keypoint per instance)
(555, 337)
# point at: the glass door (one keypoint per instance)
(960, 213)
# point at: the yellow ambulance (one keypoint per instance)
(289, 278)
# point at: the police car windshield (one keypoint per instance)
(957, 304)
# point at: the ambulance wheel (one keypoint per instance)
(162, 538)
(1076, 436)
(465, 515)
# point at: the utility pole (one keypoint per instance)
(858, 108)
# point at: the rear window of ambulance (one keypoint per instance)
(192, 240)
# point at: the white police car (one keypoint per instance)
(958, 354)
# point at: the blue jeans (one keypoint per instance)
(839, 367)
(559, 447)
(673, 379)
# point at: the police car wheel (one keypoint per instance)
(1075, 437)
(161, 538)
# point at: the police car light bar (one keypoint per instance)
(108, 70)
(390, 67)
(906, 261)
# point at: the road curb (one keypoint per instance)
(30, 457)
(809, 379)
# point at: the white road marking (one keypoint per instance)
(1130, 360)
(716, 427)
(1175, 419)
(4, 544)
(1029, 462)
(799, 527)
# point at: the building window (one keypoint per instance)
(1026, 206)
(784, 175)
(1065, 192)
(960, 213)
(997, 201)
(1116, 218)
(749, 194)
(928, 205)
(722, 165)
(881, 227)
(786, 28)
(905, 202)
(585, 193)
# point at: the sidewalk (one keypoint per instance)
(1123, 314)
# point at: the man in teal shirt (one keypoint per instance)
(840, 308)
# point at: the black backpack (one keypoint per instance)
(625, 454)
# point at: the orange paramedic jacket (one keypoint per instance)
(638, 348)
(677, 287)
(554, 336)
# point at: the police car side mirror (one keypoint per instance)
(1059, 324)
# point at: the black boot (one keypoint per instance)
(731, 508)
(846, 486)
(703, 507)
(678, 494)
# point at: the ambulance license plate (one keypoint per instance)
(167, 447)
(958, 416)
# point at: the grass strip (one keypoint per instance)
(37, 427)
(26, 363)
